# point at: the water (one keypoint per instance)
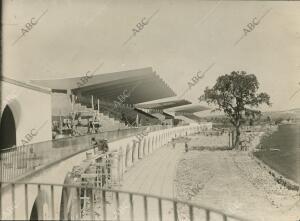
(281, 151)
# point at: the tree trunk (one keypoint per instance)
(237, 137)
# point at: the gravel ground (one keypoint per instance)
(233, 182)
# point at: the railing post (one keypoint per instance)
(232, 138)
(160, 209)
(191, 212)
(117, 205)
(145, 209)
(26, 201)
(0, 200)
(13, 201)
(4, 174)
(175, 211)
(131, 207)
(104, 205)
(207, 215)
(229, 143)
(10, 163)
(52, 203)
(92, 205)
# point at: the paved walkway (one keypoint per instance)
(155, 173)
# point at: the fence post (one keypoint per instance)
(229, 139)
(232, 138)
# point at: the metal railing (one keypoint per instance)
(21, 160)
(77, 202)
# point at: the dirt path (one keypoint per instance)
(231, 181)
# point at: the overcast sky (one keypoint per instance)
(181, 38)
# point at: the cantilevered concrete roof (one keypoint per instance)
(163, 103)
(143, 84)
(191, 108)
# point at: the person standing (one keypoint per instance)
(94, 144)
(173, 143)
(186, 147)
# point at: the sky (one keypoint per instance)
(180, 39)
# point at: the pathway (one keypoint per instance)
(155, 173)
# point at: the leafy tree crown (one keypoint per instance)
(236, 94)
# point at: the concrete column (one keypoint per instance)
(134, 153)
(120, 164)
(148, 145)
(151, 144)
(115, 170)
(128, 156)
(229, 140)
(142, 148)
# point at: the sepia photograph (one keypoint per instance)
(150, 110)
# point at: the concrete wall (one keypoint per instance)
(31, 107)
(61, 104)
(57, 173)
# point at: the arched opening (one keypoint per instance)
(7, 129)
(70, 205)
(34, 212)
(64, 213)
(40, 209)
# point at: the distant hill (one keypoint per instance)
(292, 113)
(295, 110)
(275, 116)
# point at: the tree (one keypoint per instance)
(236, 95)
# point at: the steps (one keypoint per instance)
(107, 123)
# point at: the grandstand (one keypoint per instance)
(109, 102)
(186, 112)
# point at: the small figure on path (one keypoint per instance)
(173, 143)
(186, 147)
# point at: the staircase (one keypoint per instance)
(107, 122)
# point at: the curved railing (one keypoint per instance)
(76, 203)
(21, 160)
